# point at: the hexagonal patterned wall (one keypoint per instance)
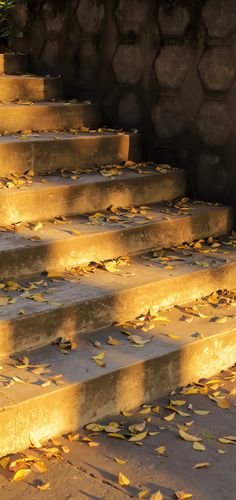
(166, 67)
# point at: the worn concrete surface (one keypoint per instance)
(92, 472)
(35, 88)
(41, 198)
(56, 247)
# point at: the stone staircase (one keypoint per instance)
(67, 198)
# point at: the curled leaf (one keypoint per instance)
(123, 480)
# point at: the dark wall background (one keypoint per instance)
(166, 67)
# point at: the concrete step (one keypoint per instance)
(52, 196)
(57, 246)
(13, 63)
(57, 305)
(88, 392)
(30, 88)
(49, 152)
(44, 116)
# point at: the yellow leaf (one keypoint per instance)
(143, 493)
(156, 409)
(177, 402)
(112, 341)
(123, 480)
(94, 427)
(34, 440)
(201, 412)
(74, 231)
(161, 450)
(99, 356)
(99, 363)
(43, 487)
(174, 337)
(181, 495)
(145, 410)
(138, 437)
(226, 441)
(156, 496)
(93, 444)
(170, 417)
(4, 462)
(188, 437)
(120, 462)
(231, 438)
(126, 413)
(222, 452)
(21, 474)
(116, 435)
(198, 446)
(223, 403)
(201, 465)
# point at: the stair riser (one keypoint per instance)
(30, 89)
(45, 203)
(109, 394)
(40, 329)
(42, 156)
(13, 64)
(58, 255)
(18, 118)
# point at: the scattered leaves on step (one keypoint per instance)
(98, 359)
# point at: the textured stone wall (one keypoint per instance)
(166, 67)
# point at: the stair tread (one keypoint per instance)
(51, 182)
(78, 367)
(59, 136)
(28, 76)
(67, 289)
(48, 104)
(80, 226)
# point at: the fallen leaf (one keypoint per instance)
(123, 480)
(138, 437)
(188, 437)
(112, 341)
(120, 462)
(21, 474)
(224, 404)
(181, 495)
(116, 435)
(198, 446)
(201, 412)
(156, 496)
(34, 440)
(41, 467)
(43, 487)
(143, 493)
(170, 417)
(4, 462)
(226, 441)
(201, 465)
(161, 450)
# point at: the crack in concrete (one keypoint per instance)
(91, 475)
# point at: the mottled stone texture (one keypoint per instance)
(167, 67)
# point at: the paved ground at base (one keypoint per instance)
(91, 471)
